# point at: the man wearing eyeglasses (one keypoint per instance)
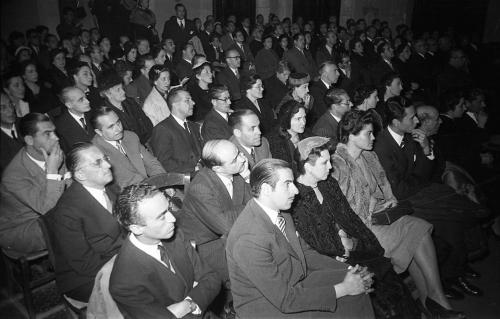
(214, 200)
(84, 234)
(230, 75)
(338, 103)
(215, 125)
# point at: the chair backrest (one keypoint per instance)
(167, 180)
(101, 305)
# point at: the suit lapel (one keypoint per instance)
(179, 263)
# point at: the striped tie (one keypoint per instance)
(280, 222)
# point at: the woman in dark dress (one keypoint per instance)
(291, 129)
(199, 90)
(58, 74)
(327, 223)
(40, 98)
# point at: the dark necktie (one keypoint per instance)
(281, 223)
(187, 128)
(120, 148)
(84, 124)
(252, 154)
(182, 24)
(164, 258)
(13, 133)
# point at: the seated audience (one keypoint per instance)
(74, 125)
(267, 278)
(31, 185)
(252, 89)
(199, 90)
(58, 74)
(175, 141)
(155, 106)
(338, 103)
(290, 130)
(132, 162)
(407, 241)
(84, 234)
(276, 87)
(325, 220)
(300, 59)
(157, 273)
(10, 139)
(243, 49)
(407, 158)
(13, 86)
(215, 126)
(184, 67)
(230, 75)
(130, 113)
(247, 136)
(83, 78)
(214, 200)
(328, 76)
(298, 90)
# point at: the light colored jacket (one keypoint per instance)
(156, 107)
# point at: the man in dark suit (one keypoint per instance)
(178, 28)
(408, 159)
(339, 103)
(299, 58)
(74, 124)
(31, 185)
(157, 274)
(83, 233)
(140, 87)
(215, 125)
(184, 67)
(383, 66)
(169, 46)
(230, 75)
(213, 201)
(227, 40)
(328, 76)
(214, 52)
(10, 140)
(132, 162)
(175, 141)
(97, 58)
(247, 136)
(327, 52)
(349, 79)
(243, 49)
(273, 272)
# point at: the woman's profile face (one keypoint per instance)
(163, 82)
(298, 121)
(302, 90)
(321, 168)
(132, 55)
(30, 73)
(364, 139)
(372, 100)
(60, 61)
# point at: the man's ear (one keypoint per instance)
(28, 139)
(98, 131)
(237, 132)
(136, 229)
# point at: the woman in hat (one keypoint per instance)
(327, 223)
(155, 106)
(199, 87)
(407, 241)
(289, 132)
(266, 60)
(130, 113)
(298, 85)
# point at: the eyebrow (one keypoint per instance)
(162, 213)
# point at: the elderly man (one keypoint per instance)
(132, 162)
(73, 125)
(213, 201)
(175, 141)
(31, 185)
(230, 75)
(157, 274)
(300, 59)
(273, 272)
(247, 136)
(84, 234)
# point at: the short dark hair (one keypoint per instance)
(283, 66)
(266, 172)
(297, 35)
(395, 108)
(235, 119)
(155, 72)
(141, 60)
(177, 6)
(97, 113)
(334, 96)
(362, 93)
(126, 206)
(28, 125)
(75, 68)
(73, 157)
(450, 99)
(155, 50)
(172, 96)
(216, 91)
(388, 78)
(247, 82)
(352, 123)
(473, 93)
(287, 111)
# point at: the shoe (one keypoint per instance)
(471, 273)
(464, 286)
(452, 293)
(439, 312)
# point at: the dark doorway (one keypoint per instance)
(317, 10)
(241, 8)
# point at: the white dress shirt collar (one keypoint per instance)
(223, 114)
(228, 183)
(178, 120)
(77, 118)
(335, 117)
(38, 163)
(273, 214)
(151, 250)
(9, 131)
(98, 194)
(398, 138)
(472, 116)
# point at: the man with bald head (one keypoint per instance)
(213, 201)
(230, 75)
(74, 125)
(175, 141)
